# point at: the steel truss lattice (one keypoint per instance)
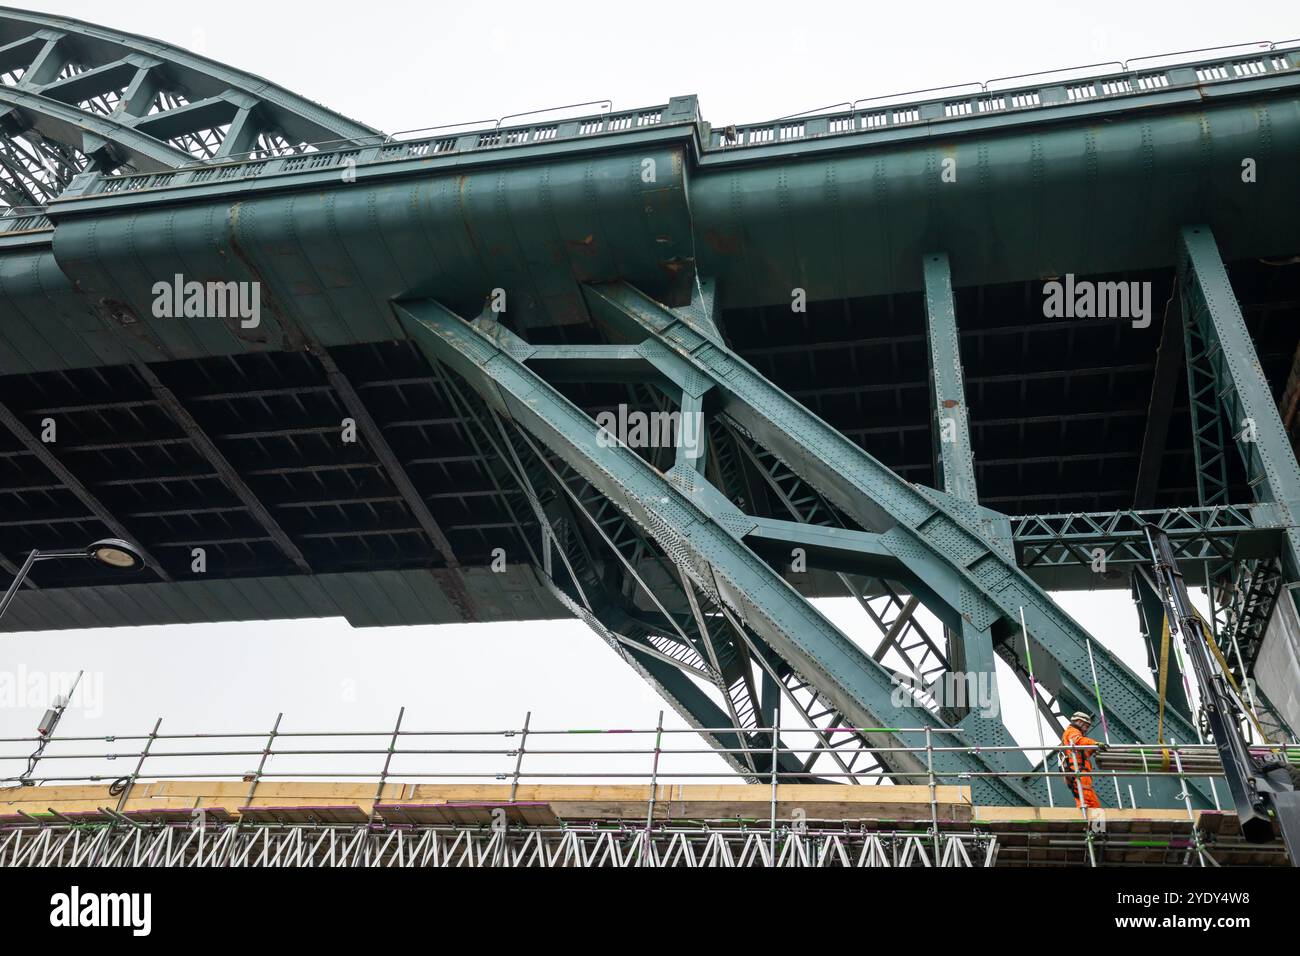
(77, 96)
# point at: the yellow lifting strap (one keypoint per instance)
(1223, 666)
(1164, 684)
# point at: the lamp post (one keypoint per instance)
(111, 552)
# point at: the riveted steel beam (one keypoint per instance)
(1228, 387)
(954, 458)
(587, 583)
(971, 649)
(520, 478)
(929, 530)
(1244, 395)
(74, 127)
(690, 521)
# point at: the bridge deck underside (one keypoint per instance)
(1058, 411)
(1058, 406)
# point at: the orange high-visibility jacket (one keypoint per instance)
(1077, 759)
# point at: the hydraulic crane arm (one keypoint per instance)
(1262, 788)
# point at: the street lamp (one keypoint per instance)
(111, 552)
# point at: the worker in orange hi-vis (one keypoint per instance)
(1078, 763)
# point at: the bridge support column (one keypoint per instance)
(1230, 366)
(1244, 394)
(953, 452)
(970, 651)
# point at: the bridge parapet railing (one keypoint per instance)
(992, 99)
(447, 141)
(23, 218)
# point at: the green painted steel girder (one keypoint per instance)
(970, 648)
(104, 48)
(74, 127)
(1244, 395)
(1100, 541)
(955, 458)
(587, 596)
(1027, 202)
(678, 515)
(922, 527)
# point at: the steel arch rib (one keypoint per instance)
(665, 676)
(919, 525)
(299, 115)
(68, 125)
(54, 63)
(714, 556)
(592, 603)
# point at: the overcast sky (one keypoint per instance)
(400, 66)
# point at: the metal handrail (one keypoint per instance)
(609, 108)
(1201, 756)
(932, 89)
(1256, 44)
(1065, 69)
(257, 163)
(901, 102)
(383, 139)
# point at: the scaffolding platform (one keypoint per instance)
(568, 824)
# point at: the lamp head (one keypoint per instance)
(116, 553)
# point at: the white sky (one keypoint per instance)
(400, 66)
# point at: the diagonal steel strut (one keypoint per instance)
(929, 530)
(713, 555)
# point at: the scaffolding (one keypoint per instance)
(521, 797)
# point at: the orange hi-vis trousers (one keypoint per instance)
(1080, 786)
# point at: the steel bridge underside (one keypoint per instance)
(886, 432)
